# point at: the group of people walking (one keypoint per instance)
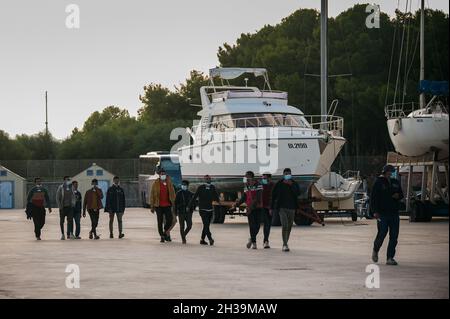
(72, 207)
(262, 197)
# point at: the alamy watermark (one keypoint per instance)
(73, 279)
(373, 19)
(73, 17)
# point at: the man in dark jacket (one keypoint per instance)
(252, 197)
(285, 200)
(37, 200)
(183, 210)
(77, 209)
(384, 201)
(206, 195)
(115, 205)
(268, 185)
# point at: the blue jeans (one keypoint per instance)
(77, 218)
(387, 223)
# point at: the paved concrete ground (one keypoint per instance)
(324, 262)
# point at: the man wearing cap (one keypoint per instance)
(384, 200)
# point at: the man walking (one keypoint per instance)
(37, 200)
(266, 211)
(77, 209)
(66, 201)
(162, 198)
(183, 211)
(384, 201)
(252, 197)
(206, 194)
(93, 203)
(115, 206)
(285, 200)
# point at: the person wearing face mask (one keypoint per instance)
(253, 198)
(266, 213)
(206, 194)
(162, 199)
(66, 200)
(285, 200)
(37, 200)
(384, 204)
(77, 209)
(93, 203)
(183, 211)
(115, 206)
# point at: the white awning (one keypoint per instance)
(232, 73)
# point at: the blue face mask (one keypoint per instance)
(287, 177)
(264, 181)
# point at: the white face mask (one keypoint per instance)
(184, 187)
(163, 177)
(244, 180)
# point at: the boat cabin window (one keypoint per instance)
(243, 120)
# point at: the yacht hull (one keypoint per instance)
(415, 136)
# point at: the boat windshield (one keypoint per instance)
(244, 120)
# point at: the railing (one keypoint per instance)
(351, 174)
(401, 110)
(328, 123)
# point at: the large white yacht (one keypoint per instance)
(244, 128)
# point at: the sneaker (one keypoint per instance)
(121, 235)
(203, 242)
(162, 240)
(285, 248)
(111, 235)
(71, 236)
(90, 235)
(167, 238)
(184, 241)
(266, 245)
(254, 246)
(63, 237)
(38, 238)
(391, 262)
(374, 256)
(96, 237)
(77, 237)
(211, 242)
(249, 243)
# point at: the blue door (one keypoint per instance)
(103, 185)
(6, 195)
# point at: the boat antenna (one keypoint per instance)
(422, 50)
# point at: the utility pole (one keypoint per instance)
(323, 59)
(46, 114)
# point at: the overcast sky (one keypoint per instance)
(119, 47)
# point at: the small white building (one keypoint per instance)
(84, 179)
(13, 190)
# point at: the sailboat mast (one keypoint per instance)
(422, 50)
(323, 59)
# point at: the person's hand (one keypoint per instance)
(84, 214)
(376, 215)
(271, 212)
(29, 217)
(49, 210)
(152, 210)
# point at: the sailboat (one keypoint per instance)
(416, 130)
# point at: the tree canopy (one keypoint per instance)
(290, 51)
